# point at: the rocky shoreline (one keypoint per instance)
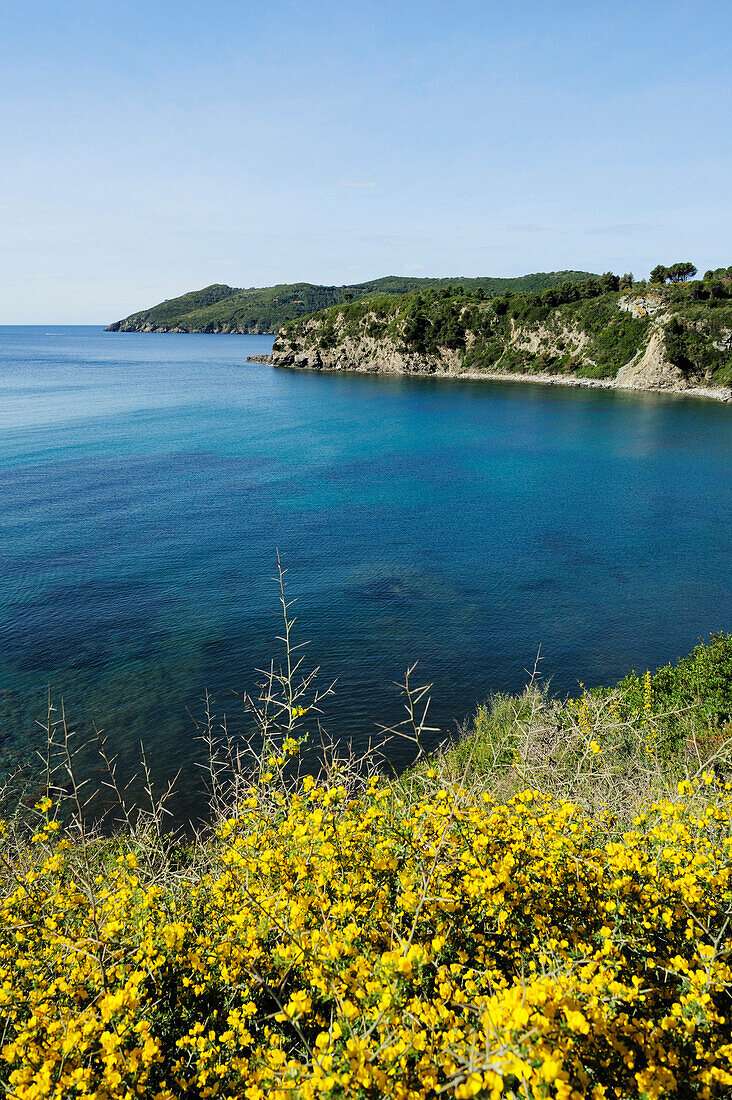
(224, 329)
(714, 393)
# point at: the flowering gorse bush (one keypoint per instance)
(379, 945)
(542, 910)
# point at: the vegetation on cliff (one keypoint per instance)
(542, 910)
(221, 308)
(589, 329)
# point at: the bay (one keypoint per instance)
(147, 481)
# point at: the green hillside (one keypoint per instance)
(605, 328)
(220, 308)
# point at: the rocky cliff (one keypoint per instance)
(633, 340)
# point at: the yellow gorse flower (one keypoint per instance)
(343, 947)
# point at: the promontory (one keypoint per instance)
(609, 331)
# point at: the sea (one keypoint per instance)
(486, 531)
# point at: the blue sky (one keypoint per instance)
(151, 148)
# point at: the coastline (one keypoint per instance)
(717, 393)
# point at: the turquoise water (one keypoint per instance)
(146, 482)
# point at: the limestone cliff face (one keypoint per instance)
(363, 352)
(551, 341)
(651, 369)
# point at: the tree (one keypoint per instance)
(676, 350)
(659, 274)
(591, 287)
(626, 281)
(609, 282)
(573, 292)
(416, 330)
(716, 289)
(680, 272)
(717, 273)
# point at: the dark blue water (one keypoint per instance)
(147, 480)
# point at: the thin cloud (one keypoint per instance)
(355, 183)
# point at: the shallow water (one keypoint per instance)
(146, 482)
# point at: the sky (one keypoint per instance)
(147, 149)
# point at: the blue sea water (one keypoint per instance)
(147, 481)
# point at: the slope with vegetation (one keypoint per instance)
(606, 329)
(541, 911)
(221, 309)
